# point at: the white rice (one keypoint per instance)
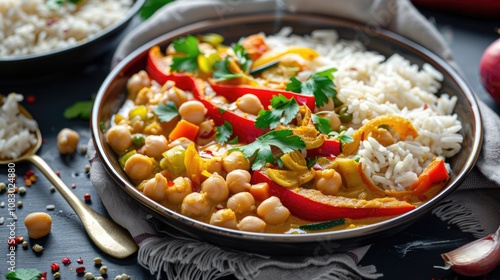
(373, 85)
(17, 132)
(34, 26)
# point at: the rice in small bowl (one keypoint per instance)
(38, 37)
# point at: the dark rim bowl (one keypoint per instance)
(69, 59)
(112, 95)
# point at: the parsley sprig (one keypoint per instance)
(261, 148)
(166, 112)
(283, 111)
(323, 126)
(222, 71)
(188, 47)
(224, 132)
(319, 84)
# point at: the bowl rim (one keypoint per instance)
(132, 11)
(383, 226)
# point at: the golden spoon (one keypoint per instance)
(104, 233)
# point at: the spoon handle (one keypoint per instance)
(105, 234)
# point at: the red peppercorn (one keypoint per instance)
(54, 267)
(79, 260)
(66, 261)
(43, 274)
(19, 239)
(86, 197)
(73, 185)
(80, 269)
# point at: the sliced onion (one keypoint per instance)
(475, 258)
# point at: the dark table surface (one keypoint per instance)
(468, 38)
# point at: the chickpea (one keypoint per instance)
(214, 165)
(139, 167)
(206, 134)
(38, 224)
(252, 224)
(195, 204)
(238, 180)
(235, 160)
(137, 82)
(181, 188)
(328, 106)
(250, 104)
(242, 202)
(155, 188)
(176, 95)
(119, 138)
(67, 141)
(181, 141)
(272, 211)
(215, 187)
(383, 136)
(155, 145)
(193, 111)
(327, 181)
(224, 218)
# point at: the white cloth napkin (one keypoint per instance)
(170, 255)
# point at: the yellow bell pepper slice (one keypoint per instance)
(289, 178)
(273, 55)
(399, 125)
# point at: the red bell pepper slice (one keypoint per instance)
(244, 128)
(330, 147)
(312, 205)
(231, 93)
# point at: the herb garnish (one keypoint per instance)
(261, 148)
(343, 138)
(282, 108)
(224, 132)
(24, 274)
(321, 124)
(319, 84)
(166, 112)
(80, 109)
(188, 47)
(222, 71)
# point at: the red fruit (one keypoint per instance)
(489, 70)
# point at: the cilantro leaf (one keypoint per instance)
(343, 138)
(261, 147)
(166, 112)
(150, 7)
(80, 109)
(243, 59)
(224, 132)
(222, 71)
(321, 124)
(188, 46)
(319, 84)
(283, 108)
(24, 274)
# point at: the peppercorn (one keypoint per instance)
(73, 185)
(25, 244)
(19, 204)
(52, 189)
(88, 276)
(103, 270)
(66, 261)
(79, 260)
(57, 275)
(22, 191)
(97, 261)
(86, 197)
(80, 269)
(37, 248)
(54, 267)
